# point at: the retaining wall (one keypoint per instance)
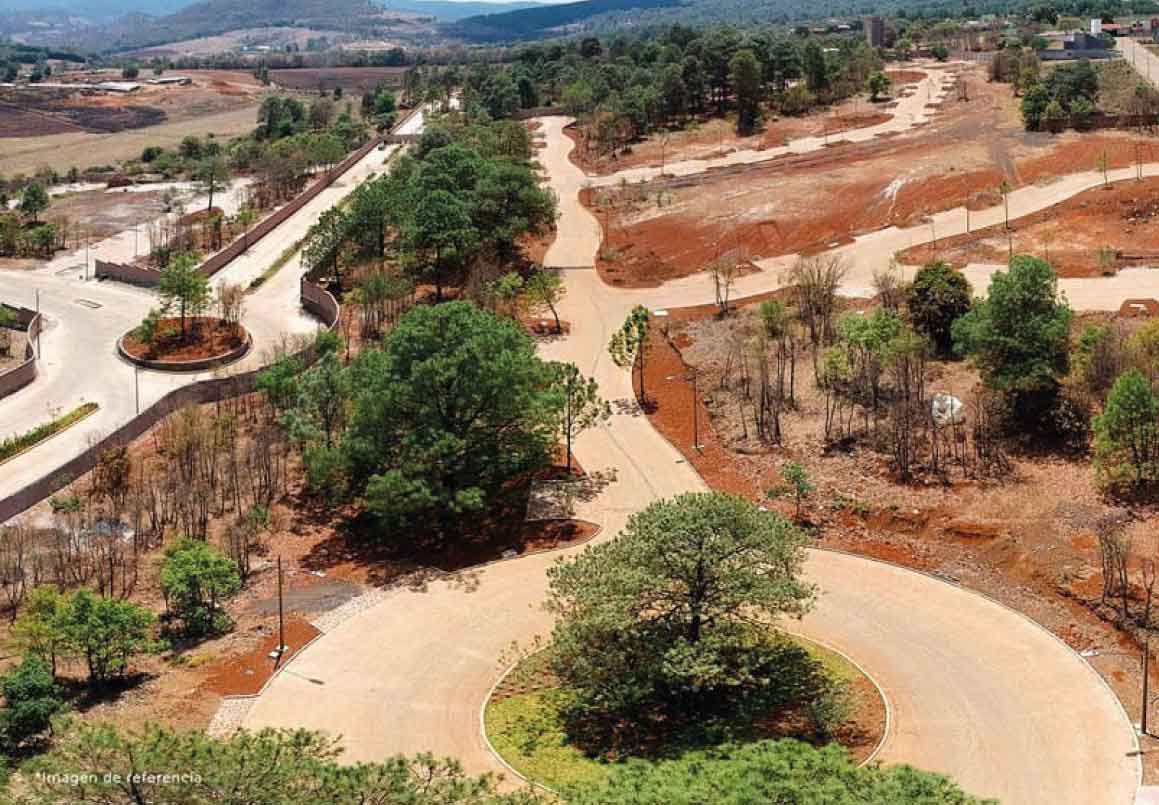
(135, 275)
(23, 373)
(313, 297)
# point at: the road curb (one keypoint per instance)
(970, 590)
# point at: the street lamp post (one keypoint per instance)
(1146, 673)
(281, 614)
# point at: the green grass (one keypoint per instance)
(527, 729)
(18, 443)
(527, 732)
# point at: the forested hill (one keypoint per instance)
(533, 22)
(616, 16)
(213, 17)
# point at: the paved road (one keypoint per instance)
(1144, 61)
(85, 319)
(977, 690)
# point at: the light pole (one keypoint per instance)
(1146, 673)
(695, 411)
(281, 614)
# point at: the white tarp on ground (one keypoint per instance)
(947, 410)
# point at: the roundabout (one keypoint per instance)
(195, 345)
(976, 690)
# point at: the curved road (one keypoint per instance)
(977, 691)
(85, 318)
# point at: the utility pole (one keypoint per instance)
(695, 412)
(281, 614)
(1146, 673)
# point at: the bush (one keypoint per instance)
(31, 699)
(768, 771)
(107, 632)
(1126, 436)
(938, 297)
(195, 579)
(1019, 335)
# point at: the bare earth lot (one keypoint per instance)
(85, 130)
(1120, 217)
(351, 79)
(672, 227)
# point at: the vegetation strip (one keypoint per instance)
(13, 446)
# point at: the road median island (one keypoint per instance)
(209, 343)
(15, 445)
(524, 715)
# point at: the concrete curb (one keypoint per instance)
(199, 365)
(536, 784)
(970, 590)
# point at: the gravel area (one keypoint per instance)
(229, 716)
(327, 621)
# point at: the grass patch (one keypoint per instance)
(17, 444)
(525, 724)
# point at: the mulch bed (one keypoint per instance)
(205, 337)
(246, 674)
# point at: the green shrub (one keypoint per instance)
(195, 579)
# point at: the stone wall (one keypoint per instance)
(23, 373)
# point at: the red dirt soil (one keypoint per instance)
(1026, 541)
(247, 674)
(1070, 234)
(673, 227)
(206, 337)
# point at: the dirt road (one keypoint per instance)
(977, 691)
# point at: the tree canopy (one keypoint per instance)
(938, 296)
(1018, 335)
(675, 615)
(454, 404)
(784, 771)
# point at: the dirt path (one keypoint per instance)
(977, 690)
(912, 110)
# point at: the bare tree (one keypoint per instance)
(815, 281)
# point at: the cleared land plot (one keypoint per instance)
(1120, 219)
(84, 150)
(274, 37)
(350, 79)
(811, 202)
(84, 128)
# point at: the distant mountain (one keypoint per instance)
(545, 20)
(452, 10)
(136, 30)
(93, 9)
